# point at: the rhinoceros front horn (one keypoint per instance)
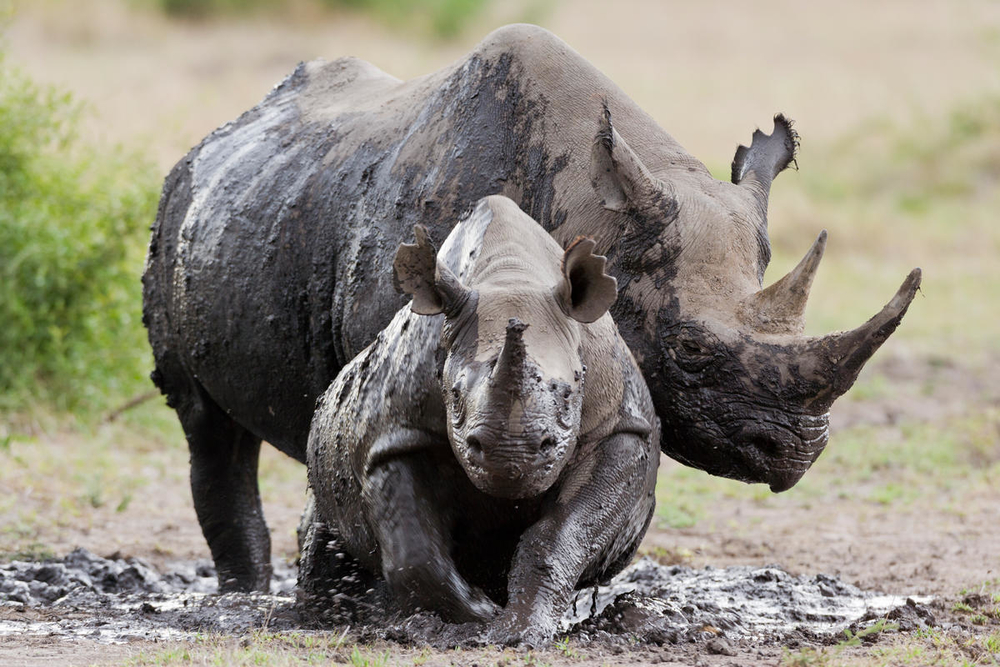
(509, 369)
(839, 357)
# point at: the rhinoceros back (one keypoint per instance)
(269, 264)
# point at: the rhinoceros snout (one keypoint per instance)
(783, 454)
(512, 466)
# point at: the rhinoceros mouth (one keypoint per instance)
(507, 466)
(782, 454)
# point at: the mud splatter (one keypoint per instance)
(112, 600)
(660, 604)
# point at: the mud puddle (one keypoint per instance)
(673, 604)
(117, 600)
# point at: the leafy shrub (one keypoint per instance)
(200, 8)
(72, 240)
(443, 18)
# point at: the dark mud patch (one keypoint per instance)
(119, 600)
(110, 600)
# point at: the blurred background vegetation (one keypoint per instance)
(73, 224)
(441, 18)
(898, 104)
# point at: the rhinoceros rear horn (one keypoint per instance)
(621, 180)
(416, 271)
(841, 356)
(767, 156)
(781, 307)
(586, 291)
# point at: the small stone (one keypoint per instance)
(720, 646)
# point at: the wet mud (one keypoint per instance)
(114, 600)
(117, 600)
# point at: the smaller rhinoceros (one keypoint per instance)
(488, 462)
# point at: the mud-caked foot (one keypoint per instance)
(434, 586)
(241, 580)
(511, 629)
(333, 587)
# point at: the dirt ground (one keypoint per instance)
(926, 547)
(158, 87)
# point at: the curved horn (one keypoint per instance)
(508, 370)
(842, 355)
(781, 307)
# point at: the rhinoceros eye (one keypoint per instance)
(690, 354)
(691, 347)
(457, 405)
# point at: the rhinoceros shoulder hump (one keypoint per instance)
(345, 82)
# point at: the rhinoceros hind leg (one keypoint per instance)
(333, 587)
(224, 486)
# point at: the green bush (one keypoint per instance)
(201, 8)
(443, 18)
(73, 226)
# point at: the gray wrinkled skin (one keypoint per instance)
(487, 462)
(268, 264)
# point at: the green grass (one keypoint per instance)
(899, 465)
(285, 649)
(73, 231)
(923, 647)
(263, 647)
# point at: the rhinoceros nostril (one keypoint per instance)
(547, 444)
(766, 446)
(474, 445)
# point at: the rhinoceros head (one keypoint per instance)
(513, 376)
(740, 390)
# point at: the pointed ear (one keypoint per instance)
(416, 271)
(586, 291)
(620, 178)
(768, 155)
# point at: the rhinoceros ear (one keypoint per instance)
(768, 155)
(586, 291)
(416, 271)
(621, 180)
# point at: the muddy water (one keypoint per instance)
(116, 600)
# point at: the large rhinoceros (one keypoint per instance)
(268, 268)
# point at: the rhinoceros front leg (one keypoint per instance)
(409, 508)
(591, 529)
